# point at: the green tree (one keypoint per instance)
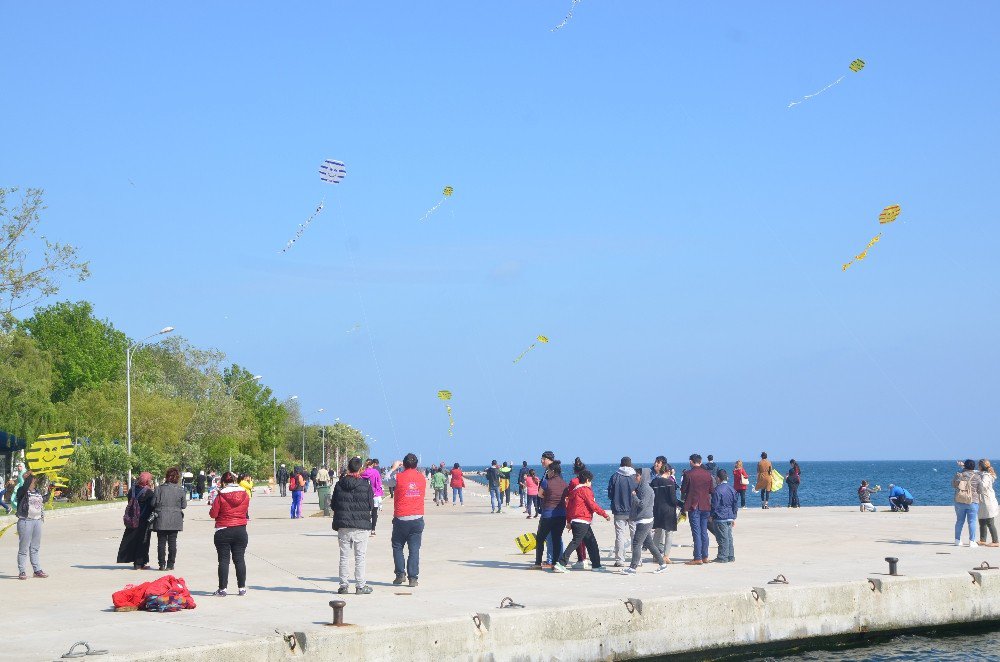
(27, 376)
(110, 464)
(79, 471)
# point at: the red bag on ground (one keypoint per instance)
(136, 596)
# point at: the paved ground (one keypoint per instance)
(468, 564)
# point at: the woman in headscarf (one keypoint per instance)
(134, 547)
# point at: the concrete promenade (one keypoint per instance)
(469, 563)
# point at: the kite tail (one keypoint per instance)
(810, 96)
(569, 15)
(525, 353)
(432, 210)
(302, 227)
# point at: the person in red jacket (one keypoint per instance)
(229, 510)
(580, 509)
(408, 520)
(697, 490)
(457, 484)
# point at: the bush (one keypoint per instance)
(79, 472)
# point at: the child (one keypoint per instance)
(531, 486)
(865, 496)
(580, 509)
(246, 482)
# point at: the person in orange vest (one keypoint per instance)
(408, 520)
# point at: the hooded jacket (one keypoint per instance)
(375, 478)
(230, 507)
(353, 501)
(620, 489)
(642, 503)
(725, 503)
(581, 506)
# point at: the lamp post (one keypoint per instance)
(322, 439)
(233, 388)
(128, 394)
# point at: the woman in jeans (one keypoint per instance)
(30, 516)
(229, 510)
(457, 484)
(741, 481)
(988, 507)
(664, 510)
(967, 484)
(794, 479)
(531, 482)
(169, 503)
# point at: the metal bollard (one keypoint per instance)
(338, 612)
(892, 564)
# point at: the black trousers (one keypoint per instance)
(166, 540)
(546, 526)
(374, 517)
(582, 533)
(284, 487)
(232, 542)
(793, 496)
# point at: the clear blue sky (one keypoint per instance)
(632, 186)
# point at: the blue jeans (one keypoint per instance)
(699, 533)
(966, 512)
(496, 501)
(724, 539)
(296, 510)
(407, 532)
(457, 491)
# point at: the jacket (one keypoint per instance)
(898, 491)
(169, 502)
(230, 507)
(553, 497)
(697, 489)
(521, 475)
(493, 477)
(411, 486)
(642, 503)
(323, 476)
(580, 504)
(457, 478)
(282, 475)
(725, 503)
(738, 476)
(975, 484)
(988, 506)
(375, 478)
(664, 503)
(620, 489)
(531, 485)
(352, 503)
(438, 480)
(764, 475)
(24, 499)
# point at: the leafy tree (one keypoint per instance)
(264, 412)
(110, 464)
(23, 280)
(79, 471)
(26, 380)
(146, 457)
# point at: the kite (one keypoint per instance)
(446, 395)
(856, 66)
(49, 455)
(568, 16)
(447, 192)
(332, 172)
(302, 229)
(888, 215)
(539, 339)
(356, 327)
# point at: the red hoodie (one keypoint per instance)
(580, 504)
(230, 507)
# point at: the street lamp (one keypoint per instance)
(322, 440)
(233, 388)
(128, 394)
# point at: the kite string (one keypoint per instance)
(301, 579)
(432, 210)
(809, 96)
(569, 15)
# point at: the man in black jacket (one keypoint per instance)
(352, 504)
(282, 479)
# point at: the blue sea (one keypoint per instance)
(823, 483)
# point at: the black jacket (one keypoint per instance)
(282, 476)
(352, 503)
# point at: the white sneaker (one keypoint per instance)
(972, 544)
(660, 569)
(958, 543)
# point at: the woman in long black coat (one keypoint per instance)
(134, 547)
(665, 506)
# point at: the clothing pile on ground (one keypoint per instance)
(168, 593)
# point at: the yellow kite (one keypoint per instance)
(889, 214)
(446, 395)
(538, 339)
(49, 455)
(857, 65)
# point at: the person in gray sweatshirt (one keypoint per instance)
(642, 518)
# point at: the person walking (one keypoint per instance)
(580, 509)
(620, 489)
(741, 481)
(493, 483)
(134, 547)
(169, 502)
(229, 510)
(581, 550)
(697, 490)
(312, 478)
(322, 477)
(793, 480)
(552, 493)
(642, 516)
(374, 476)
(281, 477)
(30, 498)
(440, 483)
(968, 485)
(521, 475)
(664, 509)
(457, 484)
(531, 482)
(352, 520)
(725, 507)
(763, 483)
(505, 472)
(408, 521)
(296, 483)
(201, 481)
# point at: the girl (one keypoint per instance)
(794, 480)
(741, 481)
(531, 482)
(457, 484)
(30, 515)
(580, 509)
(664, 510)
(229, 510)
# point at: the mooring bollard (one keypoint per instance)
(892, 564)
(338, 612)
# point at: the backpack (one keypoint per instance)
(133, 511)
(963, 491)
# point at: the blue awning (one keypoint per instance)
(10, 443)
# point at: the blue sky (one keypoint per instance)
(632, 186)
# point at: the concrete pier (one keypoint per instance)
(833, 559)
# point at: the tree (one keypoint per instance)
(265, 413)
(25, 281)
(26, 380)
(110, 463)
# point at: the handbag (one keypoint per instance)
(744, 480)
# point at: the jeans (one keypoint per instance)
(643, 538)
(793, 496)
(528, 504)
(232, 542)
(546, 526)
(624, 532)
(900, 503)
(582, 533)
(29, 532)
(724, 539)
(496, 499)
(296, 511)
(966, 512)
(520, 496)
(664, 540)
(699, 533)
(506, 496)
(764, 496)
(353, 542)
(166, 540)
(409, 533)
(457, 491)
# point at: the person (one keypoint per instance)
(697, 490)
(493, 483)
(988, 507)
(134, 547)
(581, 550)
(352, 504)
(642, 516)
(711, 467)
(725, 507)
(374, 476)
(793, 480)
(389, 483)
(900, 499)
(229, 510)
(312, 478)
(552, 492)
(408, 521)
(323, 477)
(531, 482)
(30, 517)
(664, 509)
(580, 509)
(620, 489)
(187, 483)
(169, 502)
(764, 480)
(282, 479)
(5, 491)
(967, 484)
(246, 482)
(440, 484)
(505, 483)
(741, 481)
(296, 483)
(521, 492)
(457, 484)
(201, 481)
(865, 496)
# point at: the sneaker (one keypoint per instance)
(558, 567)
(362, 590)
(221, 593)
(343, 590)
(578, 565)
(546, 566)
(972, 545)
(39, 574)
(243, 591)
(161, 568)
(618, 564)
(170, 567)
(628, 571)
(413, 582)
(958, 543)
(399, 580)
(23, 575)
(599, 568)
(660, 569)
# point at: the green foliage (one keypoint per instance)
(26, 380)
(110, 463)
(79, 471)
(146, 457)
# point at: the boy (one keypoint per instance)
(580, 509)
(439, 481)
